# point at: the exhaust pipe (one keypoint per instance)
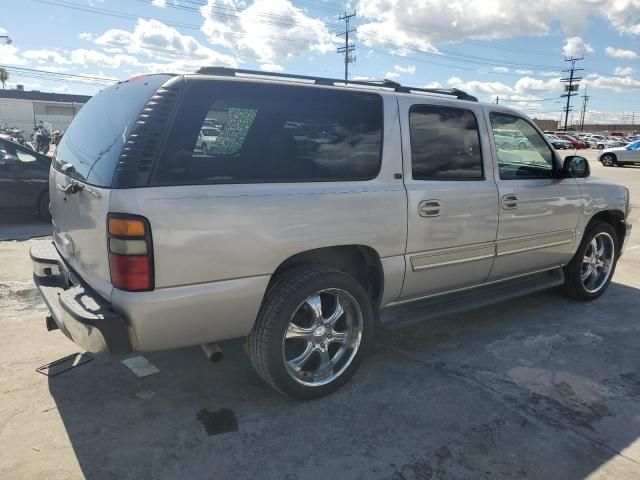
(213, 352)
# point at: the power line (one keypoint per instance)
(573, 85)
(348, 48)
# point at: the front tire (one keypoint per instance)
(590, 271)
(312, 331)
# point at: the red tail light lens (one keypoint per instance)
(130, 252)
(130, 272)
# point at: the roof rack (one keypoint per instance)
(389, 84)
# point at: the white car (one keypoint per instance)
(601, 142)
(206, 138)
(619, 156)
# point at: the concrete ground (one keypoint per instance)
(538, 388)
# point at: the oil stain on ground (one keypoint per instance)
(218, 421)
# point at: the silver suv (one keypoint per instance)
(318, 211)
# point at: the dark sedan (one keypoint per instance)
(24, 180)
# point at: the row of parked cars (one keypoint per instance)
(579, 140)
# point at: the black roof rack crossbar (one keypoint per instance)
(390, 84)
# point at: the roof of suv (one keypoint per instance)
(386, 84)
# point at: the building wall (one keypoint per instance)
(26, 114)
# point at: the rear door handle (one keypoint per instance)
(430, 208)
(510, 201)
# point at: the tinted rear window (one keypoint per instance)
(94, 140)
(272, 133)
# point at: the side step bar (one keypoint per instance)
(451, 303)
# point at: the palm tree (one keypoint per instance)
(4, 76)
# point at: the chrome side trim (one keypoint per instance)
(452, 256)
(534, 242)
(470, 287)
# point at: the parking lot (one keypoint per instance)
(540, 387)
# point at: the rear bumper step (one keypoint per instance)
(78, 311)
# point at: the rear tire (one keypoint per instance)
(608, 160)
(205, 150)
(313, 329)
(589, 273)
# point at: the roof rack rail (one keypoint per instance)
(390, 84)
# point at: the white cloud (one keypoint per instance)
(85, 57)
(500, 69)
(9, 55)
(271, 67)
(549, 74)
(159, 3)
(526, 88)
(391, 75)
(268, 30)
(576, 47)
(165, 47)
(621, 53)
(360, 78)
(530, 72)
(433, 85)
(46, 57)
(617, 84)
(418, 25)
(62, 89)
(85, 36)
(623, 71)
(410, 69)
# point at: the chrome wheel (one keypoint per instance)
(597, 263)
(607, 160)
(322, 337)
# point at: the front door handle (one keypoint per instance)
(430, 208)
(510, 201)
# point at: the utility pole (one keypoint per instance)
(348, 47)
(585, 99)
(573, 85)
(497, 100)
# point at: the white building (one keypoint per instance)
(25, 109)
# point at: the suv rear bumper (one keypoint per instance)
(81, 314)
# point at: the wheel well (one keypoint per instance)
(359, 261)
(613, 218)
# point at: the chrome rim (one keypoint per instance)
(607, 160)
(597, 262)
(322, 337)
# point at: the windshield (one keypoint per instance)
(94, 140)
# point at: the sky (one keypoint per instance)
(511, 49)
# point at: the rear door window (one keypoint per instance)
(239, 132)
(445, 144)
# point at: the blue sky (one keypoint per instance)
(507, 48)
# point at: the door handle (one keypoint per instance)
(510, 201)
(430, 208)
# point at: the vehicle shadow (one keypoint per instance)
(23, 227)
(540, 387)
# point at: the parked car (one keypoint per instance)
(557, 142)
(24, 179)
(407, 207)
(602, 142)
(207, 137)
(619, 156)
(575, 143)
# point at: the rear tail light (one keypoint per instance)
(130, 252)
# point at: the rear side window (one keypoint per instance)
(94, 140)
(236, 132)
(445, 144)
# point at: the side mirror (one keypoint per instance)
(576, 166)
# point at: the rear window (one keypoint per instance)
(94, 140)
(272, 133)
